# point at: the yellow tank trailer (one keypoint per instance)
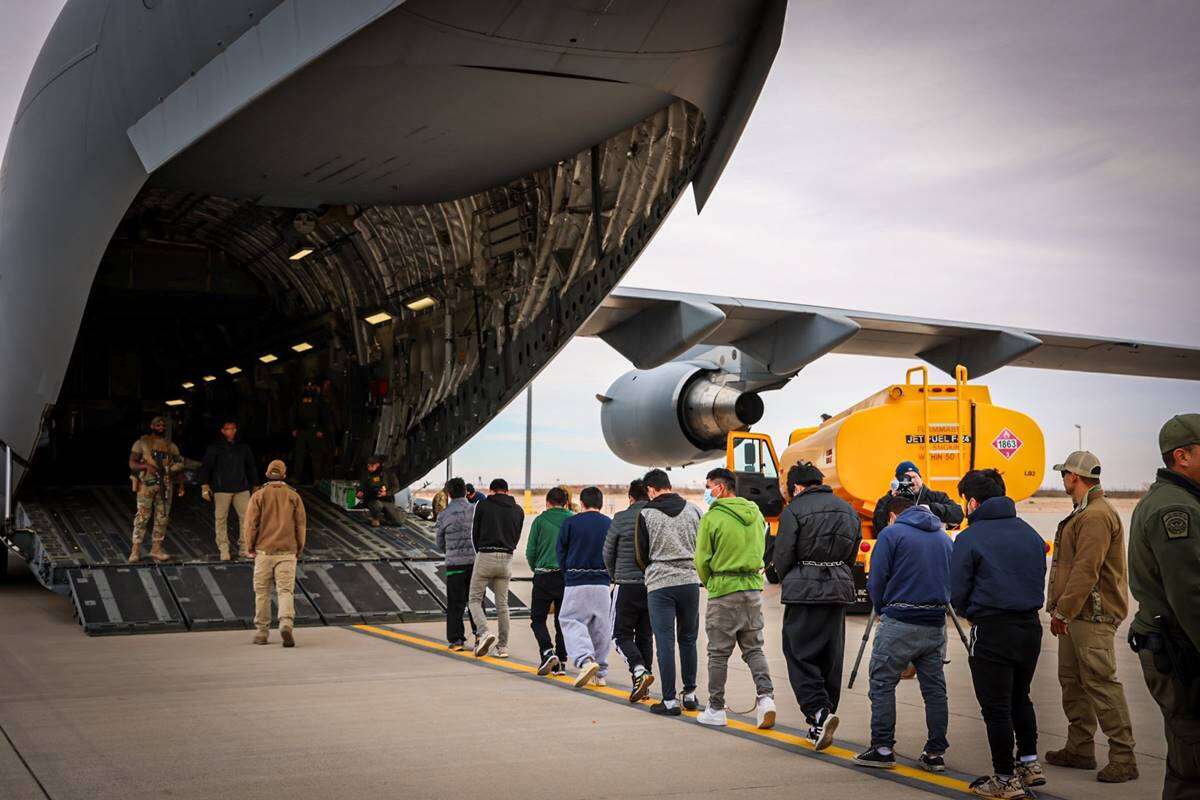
(945, 429)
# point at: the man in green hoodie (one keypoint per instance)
(729, 559)
(541, 551)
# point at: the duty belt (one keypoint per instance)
(823, 563)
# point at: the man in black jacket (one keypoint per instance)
(909, 483)
(495, 531)
(227, 476)
(816, 545)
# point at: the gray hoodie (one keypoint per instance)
(665, 542)
(454, 532)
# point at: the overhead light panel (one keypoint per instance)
(267, 358)
(378, 317)
(301, 250)
(421, 303)
(209, 378)
(188, 385)
(176, 403)
(302, 347)
(233, 370)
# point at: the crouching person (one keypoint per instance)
(909, 586)
(729, 557)
(274, 537)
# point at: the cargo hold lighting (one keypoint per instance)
(301, 251)
(233, 370)
(209, 378)
(175, 403)
(377, 318)
(188, 385)
(421, 303)
(267, 358)
(300, 348)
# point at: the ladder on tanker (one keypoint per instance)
(948, 447)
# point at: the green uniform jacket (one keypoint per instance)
(729, 547)
(541, 549)
(1164, 556)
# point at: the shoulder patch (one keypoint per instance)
(1176, 524)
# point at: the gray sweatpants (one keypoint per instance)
(494, 570)
(585, 624)
(735, 619)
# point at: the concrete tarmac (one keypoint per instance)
(201, 715)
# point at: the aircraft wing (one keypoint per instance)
(651, 327)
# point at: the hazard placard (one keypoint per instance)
(1007, 443)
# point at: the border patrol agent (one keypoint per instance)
(1087, 599)
(1164, 570)
(274, 532)
(150, 456)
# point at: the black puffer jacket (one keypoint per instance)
(939, 503)
(497, 525)
(816, 545)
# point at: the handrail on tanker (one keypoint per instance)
(925, 404)
(9, 458)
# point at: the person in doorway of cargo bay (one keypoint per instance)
(815, 549)
(227, 476)
(1087, 599)
(310, 422)
(154, 460)
(909, 483)
(274, 533)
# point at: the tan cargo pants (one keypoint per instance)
(221, 503)
(278, 570)
(1087, 672)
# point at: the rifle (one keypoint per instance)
(162, 464)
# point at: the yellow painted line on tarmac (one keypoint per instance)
(841, 753)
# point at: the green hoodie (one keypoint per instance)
(729, 547)
(541, 549)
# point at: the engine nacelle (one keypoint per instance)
(674, 414)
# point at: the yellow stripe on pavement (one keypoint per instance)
(841, 753)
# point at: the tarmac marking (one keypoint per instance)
(944, 784)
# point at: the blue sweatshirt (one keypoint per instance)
(910, 569)
(581, 549)
(998, 565)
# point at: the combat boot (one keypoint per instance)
(260, 637)
(158, 554)
(135, 553)
(225, 554)
(1118, 772)
(1065, 758)
(286, 634)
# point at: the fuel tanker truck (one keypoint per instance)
(946, 430)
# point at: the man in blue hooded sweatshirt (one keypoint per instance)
(909, 586)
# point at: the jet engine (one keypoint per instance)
(675, 414)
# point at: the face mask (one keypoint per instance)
(709, 497)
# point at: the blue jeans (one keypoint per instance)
(675, 608)
(898, 644)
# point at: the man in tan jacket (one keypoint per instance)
(273, 534)
(1087, 598)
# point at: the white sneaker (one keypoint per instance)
(764, 711)
(484, 645)
(501, 652)
(602, 681)
(586, 673)
(713, 716)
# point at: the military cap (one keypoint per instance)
(276, 469)
(1180, 430)
(1081, 462)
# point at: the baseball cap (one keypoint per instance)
(1081, 462)
(904, 467)
(159, 419)
(276, 469)
(1180, 430)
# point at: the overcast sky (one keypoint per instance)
(1020, 163)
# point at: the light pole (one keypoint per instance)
(529, 449)
(1079, 429)
(449, 467)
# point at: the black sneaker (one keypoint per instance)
(559, 671)
(690, 702)
(821, 733)
(663, 708)
(549, 663)
(932, 762)
(876, 759)
(641, 686)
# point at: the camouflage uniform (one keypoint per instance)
(150, 495)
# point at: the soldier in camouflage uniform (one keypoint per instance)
(150, 456)
(1164, 570)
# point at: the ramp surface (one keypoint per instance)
(124, 600)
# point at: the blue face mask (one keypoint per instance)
(708, 497)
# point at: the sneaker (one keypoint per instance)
(1065, 758)
(288, 639)
(934, 762)
(1118, 772)
(821, 734)
(876, 759)
(455, 646)
(1030, 773)
(500, 652)
(549, 663)
(764, 712)
(713, 716)
(587, 671)
(672, 710)
(996, 786)
(484, 645)
(690, 702)
(601, 681)
(559, 671)
(641, 686)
